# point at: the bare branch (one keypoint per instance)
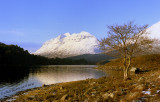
(127, 40)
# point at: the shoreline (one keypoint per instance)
(55, 84)
(44, 85)
(111, 88)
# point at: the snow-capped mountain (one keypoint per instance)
(68, 45)
(154, 31)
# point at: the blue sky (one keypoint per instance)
(29, 23)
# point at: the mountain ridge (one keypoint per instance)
(67, 45)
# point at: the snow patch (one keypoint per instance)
(154, 31)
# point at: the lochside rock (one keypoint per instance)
(64, 97)
(135, 69)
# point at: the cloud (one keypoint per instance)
(12, 32)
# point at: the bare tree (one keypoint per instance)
(126, 40)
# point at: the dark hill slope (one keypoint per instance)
(15, 56)
(94, 58)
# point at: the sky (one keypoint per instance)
(29, 23)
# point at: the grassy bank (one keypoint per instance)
(144, 86)
(146, 62)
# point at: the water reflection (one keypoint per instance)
(46, 75)
(56, 75)
(12, 76)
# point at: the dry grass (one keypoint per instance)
(146, 62)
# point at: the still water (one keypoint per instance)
(20, 80)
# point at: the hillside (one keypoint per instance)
(15, 56)
(148, 62)
(95, 58)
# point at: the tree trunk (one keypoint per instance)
(124, 69)
(125, 74)
(127, 63)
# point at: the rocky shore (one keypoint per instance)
(144, 87)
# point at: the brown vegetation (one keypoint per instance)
(126, 41)
(145, 62)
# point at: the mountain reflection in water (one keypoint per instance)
(47, 75)
(65, 74)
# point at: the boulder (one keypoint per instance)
(141, 80)
(107, 95)
(122, 91)
(92, 83)
(135, 69)
(133, 95)
(64, 97)
(140, 87)
(94, 92)
(31, 97)
(61, 88)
